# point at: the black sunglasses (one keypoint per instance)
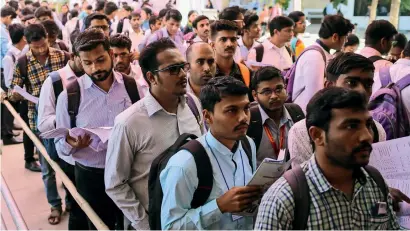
(176, 68)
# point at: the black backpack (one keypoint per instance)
(260, 50)
(204, 171)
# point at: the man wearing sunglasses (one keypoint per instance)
(147, 129)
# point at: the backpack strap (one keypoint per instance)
(295, 112)
(385, 77)
(192, 106)
(57, 83)
(246, 74)
(204, 172)
(62, 46)
(255, 130)
(259, 52)
(403, 82)
(248, 150)
(378, 178)
(73, 97)
(131, 88)
(22, 62)
(297, 181)
(289, 51)
(375, 58)
(375, 133)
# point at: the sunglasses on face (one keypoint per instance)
(176, 68)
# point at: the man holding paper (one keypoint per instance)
(226, 110)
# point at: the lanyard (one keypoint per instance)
(276, 149)
(243, 167)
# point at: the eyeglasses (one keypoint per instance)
(104, 28)
(269, 91)
(176, 68)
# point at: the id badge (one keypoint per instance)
(236, 217)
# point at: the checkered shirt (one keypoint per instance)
(329, 207)
(37, 73)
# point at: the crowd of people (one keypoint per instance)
(194, 110)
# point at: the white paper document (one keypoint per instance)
(25, 94)
(404, 213)
(99, 136)
(392, 158)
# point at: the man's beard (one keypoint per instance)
(104, 77)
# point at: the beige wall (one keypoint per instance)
(314, 4)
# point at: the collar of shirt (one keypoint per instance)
(67, 73)
(153, 106)
(369, 51)
(285, 117)
(326, 48)
(132, 32)
(320, 181)
(88, 82)
(405, 62)
(217, 147)
(188, 86)
(178, 35)
(14, 51)
(268, 44)
(52, 53)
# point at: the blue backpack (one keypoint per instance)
(387, 108)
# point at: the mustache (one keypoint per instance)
(363, 146)
(230, 49)
(99, 72)
(241, 125)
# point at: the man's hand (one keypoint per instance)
(80, 142)
(398, 197)
(16, 96)
(238, 198)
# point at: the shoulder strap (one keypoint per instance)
(255, 130)
(295, 112)
(57, 83)
(131, 88)
(259, 52)
(375, 133)
(66, 56)
(192, 106)
(62, 46)
(289, 50)
(73, 97)
(298, 183)
(246, 74)
(204, 171)
(378, 178)
(22, 62)
(248, 150)
(77, 25)
(385, 77)
(375, 58)
(403, 82)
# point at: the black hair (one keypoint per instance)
(400, 40)
(14, 5)
(230, 13)
(198, 19)
(377, 30)
(28, 2)
(26, 11)
(162, 13)
(265, 74)
(352, 40)
(91, 17)
(243, 10)
(148, 56)
(36, 5)
(127, 8)
(135, 14)
(296, 15)
(110, 8)
(345, 62)
(89, 7)
(319, 108)
(249, 19)
(221, 25)
(16, 31)
(218, 88)
(51, 27)
(99, 5)
(153, 20)
(35, 32)
(73, 13)
(43, 11)
(75, 4)
(120, 41)
(90, 39)
(174, 14)
(73, 36)
(406, 51)
(147, 10)
(335, 24)
(191, 12)
(8, 11)
(278, 23)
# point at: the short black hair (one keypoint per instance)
(35, 32)
(352, 40)
(162, 13)
(110, 8)
(120, 41)
(230, 13)
(296, 15)
(43, 11)
(90, 39)
(99, 5)
(191, 12)
(148, 56)
(221, 25)
(335, 24)
(75, 4)
(279, 22)
(265, 74)
(218, 88)
(147, 10)
(406, 51)
(73, 37)
(28, 2)
(73, 13)
(399, 40)
(14, 5)
(198, 19)
(174, 14)
(345, 62)
(8, 11)
(26, 11)
(127, 8)
(319, 108)
(135, 14)
(249, 19)
(89, 7)
(153, 20)
(91, 17)
(36, 5)
(377, 30)
(51, 27)
(16, 31)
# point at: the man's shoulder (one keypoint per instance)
(134, 116)
(279, 194)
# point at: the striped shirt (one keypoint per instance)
(329, 207)
(37, 73)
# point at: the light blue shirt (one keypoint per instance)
(163, 33)
(179, 181)
(5, 41)
(97, 109)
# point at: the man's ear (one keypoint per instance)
(255, 96)
(207, 116)
(317, 135)
(151, 78)
(328, 84)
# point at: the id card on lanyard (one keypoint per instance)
(275, 147)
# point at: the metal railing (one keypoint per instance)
(97, 222)
(12, 206)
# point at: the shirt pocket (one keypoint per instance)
(379, 223)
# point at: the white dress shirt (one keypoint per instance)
(136, 39)
(309, 76)
(398, 71)
(369, 52)
(140, 134)
(244, 51)
(273, 55)
(198, 39)
(9, 63)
